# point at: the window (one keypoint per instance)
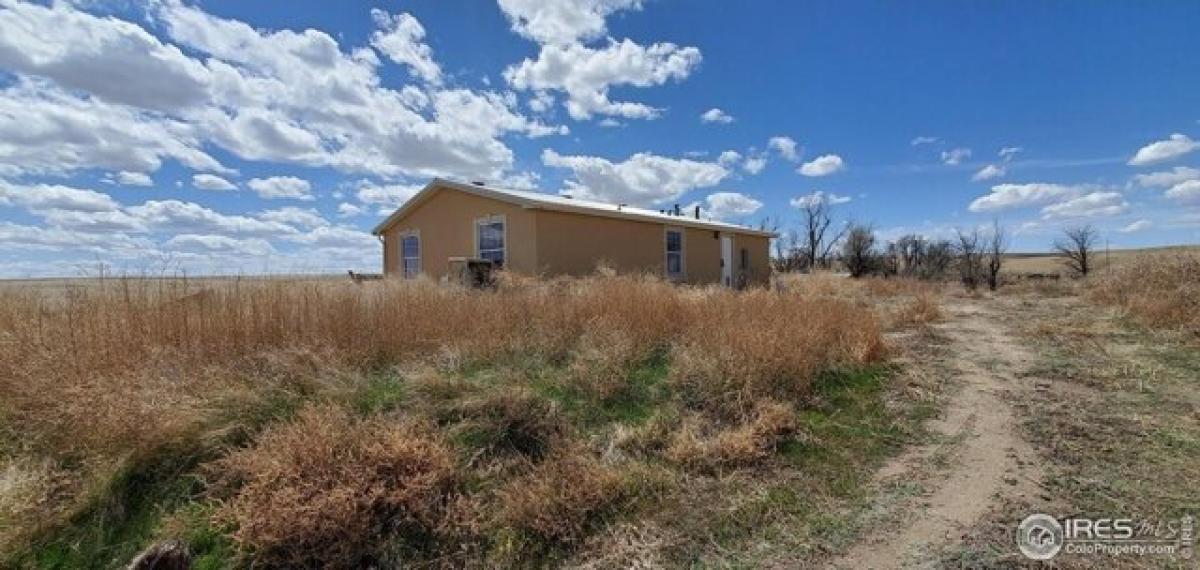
(489, 239)
(410, 255)
(674, 254)
(745, 259)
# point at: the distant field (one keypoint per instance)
(1051, 263)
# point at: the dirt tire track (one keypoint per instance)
(988, 459)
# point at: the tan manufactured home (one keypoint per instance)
(543, 234)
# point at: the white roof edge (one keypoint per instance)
(537, 200)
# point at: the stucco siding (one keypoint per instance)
(758, 250)
(446, 226)
(574, 244)
(551, 242)
(703, 254)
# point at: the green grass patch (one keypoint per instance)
(849, 426)
(384, 391)
(124, 517)
(644, 393)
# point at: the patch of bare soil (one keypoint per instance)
(978, 458)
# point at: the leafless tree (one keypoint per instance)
(1078, 248)
(816, 240)
(970, 258)
(858, 250)
(787, 254)
(917, 256)
(997, 246)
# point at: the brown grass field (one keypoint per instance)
(1049, 263)
(612, 421)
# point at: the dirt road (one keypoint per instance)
(978, 456)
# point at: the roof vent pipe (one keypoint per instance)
(477, 182)
(677, 209)
(697, 212)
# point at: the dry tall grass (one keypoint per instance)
(1158, 290)
(322, 490)
(116, 369)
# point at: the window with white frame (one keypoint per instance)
(675, 254)
(489, 239)
(410, 255)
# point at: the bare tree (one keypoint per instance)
(997, 246)
(858, 250)
(816, 240)
(1077, 247)
(970, 258)
(917, 256)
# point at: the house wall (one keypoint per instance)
(446, 222)
(547, 242)
(759, 250)
(574, 244)
(703, 253)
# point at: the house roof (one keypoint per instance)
(543, 201)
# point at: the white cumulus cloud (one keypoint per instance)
(104, 93)
(818, 197)
(823, 166)
(1095, 204)
(785, 146)
(212, 182)
(586, 74)
(293, 216)
(955, 156)
(401, 38)
(127, 178)
(728, 205)
(385, 197)
(755, 164)
(45, 197)
(1174, 146)
(288, 187)
(716, 115)
(989, 172)
(1167, 178)
(1005, 196)
(1186, 191)
(643, 179)
(564, 21)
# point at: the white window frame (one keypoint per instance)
(682, 253)
(403, 260)
(503, 235)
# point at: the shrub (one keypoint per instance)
(1161, 291)
(325, 489)
(764, 345)
(602, 362)
(921, 310)
(561, 498)
(93, 372)
(508, 418)
(743, 445)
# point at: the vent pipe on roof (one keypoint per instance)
(677, 209)
(697, 212)
(478, 182)
(621, 206)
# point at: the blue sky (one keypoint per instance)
(243, 137)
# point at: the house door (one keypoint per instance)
(727, 260)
